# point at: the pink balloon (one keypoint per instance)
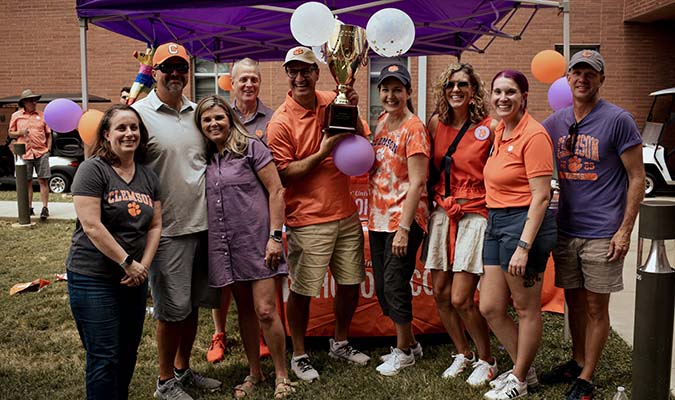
(62, 115)
(560, 94)
(353, 155)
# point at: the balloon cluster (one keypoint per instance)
(64, 115)
(390, 31)
(549, 66)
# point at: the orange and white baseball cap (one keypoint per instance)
(302, 54)
(169, 50)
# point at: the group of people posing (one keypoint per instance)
(190, 199)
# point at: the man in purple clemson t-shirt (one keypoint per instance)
(598, 152)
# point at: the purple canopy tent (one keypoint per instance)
(226, 30)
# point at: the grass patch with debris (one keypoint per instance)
(41, 356)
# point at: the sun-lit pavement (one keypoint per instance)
(57, 211)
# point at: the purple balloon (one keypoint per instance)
(62, 115)
(353, 155)
(559, 94)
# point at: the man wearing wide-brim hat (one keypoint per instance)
(28, 126)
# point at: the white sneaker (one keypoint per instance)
(458, 366)
(482, 373)
(531, 378)
(343, 351)
(302, 368)
(511, 389)
(416, 351)
(397, 361)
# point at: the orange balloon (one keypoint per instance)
(548, 65)
(88, 125)
(225, 82)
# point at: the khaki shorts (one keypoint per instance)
(312, 248)
(582, 263)
(468, 244)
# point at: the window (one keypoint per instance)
(375, 66)
(575, 48)
(205, 79)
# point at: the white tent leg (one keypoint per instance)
(422, 87)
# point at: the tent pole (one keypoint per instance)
(566, 29)
(83, 62)
(422, 88)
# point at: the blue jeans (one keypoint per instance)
(109, 318)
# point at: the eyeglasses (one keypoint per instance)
(459, 84)
(305, 72)
(571, 141)
(181, 68)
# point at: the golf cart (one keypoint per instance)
(658, 143)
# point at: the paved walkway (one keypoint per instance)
(621, 307)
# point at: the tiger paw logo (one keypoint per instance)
(574, 164)
(134, 209)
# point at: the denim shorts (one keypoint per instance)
(505, 225)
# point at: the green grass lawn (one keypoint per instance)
(41, 356)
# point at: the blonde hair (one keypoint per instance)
(237, 139)
(478, 109)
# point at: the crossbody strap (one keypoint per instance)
(446, 162)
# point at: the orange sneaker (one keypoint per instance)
(264, 350)
(216, 352)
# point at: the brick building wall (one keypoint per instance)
(41, 51)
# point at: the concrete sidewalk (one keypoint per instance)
(9, 210)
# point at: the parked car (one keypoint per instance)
(67, 153)
(658, 143)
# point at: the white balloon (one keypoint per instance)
(318, 50)
(390, 32)
(312, 24)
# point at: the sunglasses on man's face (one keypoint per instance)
(459, 84)
(571, 141)
(169, 68)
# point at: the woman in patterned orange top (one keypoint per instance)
(398, 210)
(454, 247)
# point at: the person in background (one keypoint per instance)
(453, 250)
(255, 115)
(119, 222)
(398, 210)
(124, 94)
(245, 212)
(179, 274)
(520, 234)
(28, 126)
(602, 180)
(322, 221)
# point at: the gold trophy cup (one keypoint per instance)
(345, 51)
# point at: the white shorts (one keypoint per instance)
(468, 247)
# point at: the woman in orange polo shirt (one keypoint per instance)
(454, 246)
(398, 210)
(521, 231)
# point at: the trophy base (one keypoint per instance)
(341, 118)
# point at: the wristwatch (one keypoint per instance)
(127, 262)
(523, 244)
(275, 235)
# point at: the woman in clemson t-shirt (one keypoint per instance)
(398, 209)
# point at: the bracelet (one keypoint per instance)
(405, 228)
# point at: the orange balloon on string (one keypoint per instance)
(548, 65)
(88, 125)
(225, 82)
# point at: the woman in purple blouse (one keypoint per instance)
(245, 213)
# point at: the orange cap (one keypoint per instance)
(168, 50)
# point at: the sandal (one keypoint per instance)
(244, 389)
(284, 387)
